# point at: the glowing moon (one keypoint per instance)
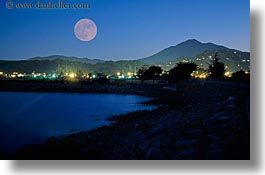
(85, 30)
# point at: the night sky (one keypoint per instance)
(127, 29)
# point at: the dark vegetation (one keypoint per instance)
(151, 73)
(181, 71)
(240, 76)
(217, 69)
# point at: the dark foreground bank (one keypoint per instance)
(63, 86)
(207, 121)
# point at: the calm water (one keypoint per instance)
(32, 117)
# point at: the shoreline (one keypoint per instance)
(83, 87)
(209, 123)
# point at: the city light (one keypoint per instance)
(198, 74)
(21, 75)
(86, 76)
(228, 74)
(203, 76)
(72, 75)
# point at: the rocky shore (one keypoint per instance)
(199, 121)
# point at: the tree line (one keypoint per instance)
(182, 71)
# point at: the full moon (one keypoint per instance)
(85, 30)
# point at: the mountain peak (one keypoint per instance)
(190, 42)
(188, 48)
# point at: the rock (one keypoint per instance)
(224, 118)
(186, 152)
(194, 132)
(231, 98)
(217, 150)
(144, 147)
(152, 153)
(214, 137)
(185, 143)
(99, 143)
(231, 106)
(218, 114)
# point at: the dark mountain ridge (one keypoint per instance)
(189, 48)
(62, 57)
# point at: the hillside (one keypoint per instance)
(200, 53)
(61, 57)
(234, 60)
(189, 48)
(62, 66)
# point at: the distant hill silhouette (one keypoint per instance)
(190, 50)
(62, 66)
(61, 57)
(200, 53)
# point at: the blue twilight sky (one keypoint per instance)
(127, 29)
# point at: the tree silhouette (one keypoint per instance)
(216, 69)
(149, 74)
(141, 73)
(241, 76)
(181, 71)
(153, 72)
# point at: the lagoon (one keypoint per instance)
(31, 118)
